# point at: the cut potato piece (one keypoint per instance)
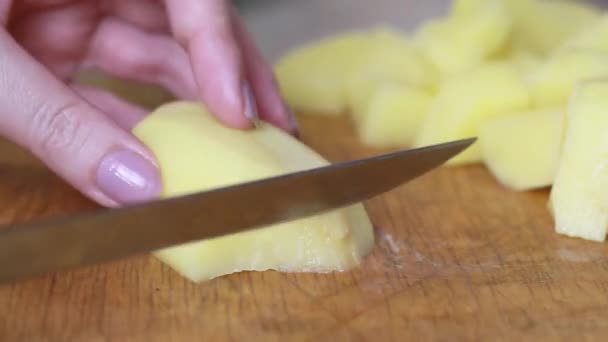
(543, 26)
(212, 155)
(524, 61)
(466, 101)
(391, 55)
(593, 37)
(465, 8)
(393, 115)
(312, 77)
(459, 43)
(579, 197)
(553, 82)
(522, 151)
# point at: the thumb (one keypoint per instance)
(73, 138)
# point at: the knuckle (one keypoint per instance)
(57, 129)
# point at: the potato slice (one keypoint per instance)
(392, 55)
(312, 77)
(522, 150)
(393, 115)
(465, 102)
(543, 26)
(212, 155)
(579, 197)
(592, 37)
(461, 42)
(553, 82)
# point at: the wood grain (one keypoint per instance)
(458, 257)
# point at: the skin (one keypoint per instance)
(197, 49)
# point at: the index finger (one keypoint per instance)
(204, 28)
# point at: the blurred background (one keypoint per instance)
(278, 25)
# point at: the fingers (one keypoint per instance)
(146, 14)
(5, 9)
(72, 137)
(123, 113)
(271, 105)
(205, 30)
(123, 50)
(57, 35)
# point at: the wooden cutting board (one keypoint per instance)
(457, 257)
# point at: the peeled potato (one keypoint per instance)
(313, 77)
(522, 150)
(542, 26)
(392, 55)
(393, 115)
(592, 37)
(553, 82)
(212, 155)
(579, 197)
(458, 43)
(465, 102)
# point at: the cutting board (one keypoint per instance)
(457, 257)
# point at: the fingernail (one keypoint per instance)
(292, 121)
(127, 177)
(251, 111)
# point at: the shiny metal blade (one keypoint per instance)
(107, 234)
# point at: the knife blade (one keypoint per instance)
(35, 248)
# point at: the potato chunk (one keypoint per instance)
(542, 26)
(312, 77)
(393, 115)
(579, 197)
(196, 152)
(459, 42)
(552, 83)
(465, 102)
(522, 150)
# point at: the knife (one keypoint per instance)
(35, 248)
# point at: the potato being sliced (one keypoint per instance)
(465, 102)
(522, 150)
(393, 115)
(212, 155)
(579, 197)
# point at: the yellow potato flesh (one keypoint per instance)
(592, 37)
(552, 83)
(393, 115)
(465, 102)
(458, 43)
(522, 150)
(389, 57)
(543, 26)
(196, 152)
(313, 77)
(579, 197)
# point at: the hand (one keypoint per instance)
(197, 49)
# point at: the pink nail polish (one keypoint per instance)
(250, 105)
(292, 121)
(127, 177)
